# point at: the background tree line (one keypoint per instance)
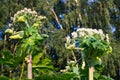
(65, 16)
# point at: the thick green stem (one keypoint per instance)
(23, 65)
(26, 22)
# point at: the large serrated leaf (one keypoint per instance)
(36, 59)
(96, 75)
(7, 54)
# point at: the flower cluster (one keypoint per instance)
(93, 44)
(27, 20)
(29, 17)
(25, 11)
(85, 32)
(82, 32)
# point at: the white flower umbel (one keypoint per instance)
(25, 11)
(94, 43)
(85, 32)
(82, 32)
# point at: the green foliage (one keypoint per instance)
(102, 77)
(84, 74)
(98, 14)
(28, 41)
(97, 76)
(95, 47)
(57, 76)
(42, 67)
(112, 61)
(3, 78)
(68, 76)
(40, 63)
(11, 60)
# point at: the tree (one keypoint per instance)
(70, 15)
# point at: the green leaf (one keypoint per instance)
(67, 76)
(8, 58)
(76, 70)
(36, 58)
(44, 35)
(4, 78)
(103, 77)
(38, 37)
(21, 33)
(99, 67)
(7, 54)
(96, 75)
(31, 30)
(43, 67)
(42, 63)
(6, 62)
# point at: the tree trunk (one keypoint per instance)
(29, 66)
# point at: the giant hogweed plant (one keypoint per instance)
(93, 45)
(25, 31)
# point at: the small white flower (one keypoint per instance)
(25, 9)
(100, 31)
(74, 34)
(90, 33)
(34, 12)
(19, 12)
(22, 11)
(29, 10)
(82, 34)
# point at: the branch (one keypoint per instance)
(79, 15)
(56, 18)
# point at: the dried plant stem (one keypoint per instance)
(75, 58)
(79, 15)
(56, 18)
(76, 62)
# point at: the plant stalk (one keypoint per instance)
(75, 58)
(23, 65)
(29, 66)
(91, 71)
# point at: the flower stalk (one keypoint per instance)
(91, 71)
(29, 66)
